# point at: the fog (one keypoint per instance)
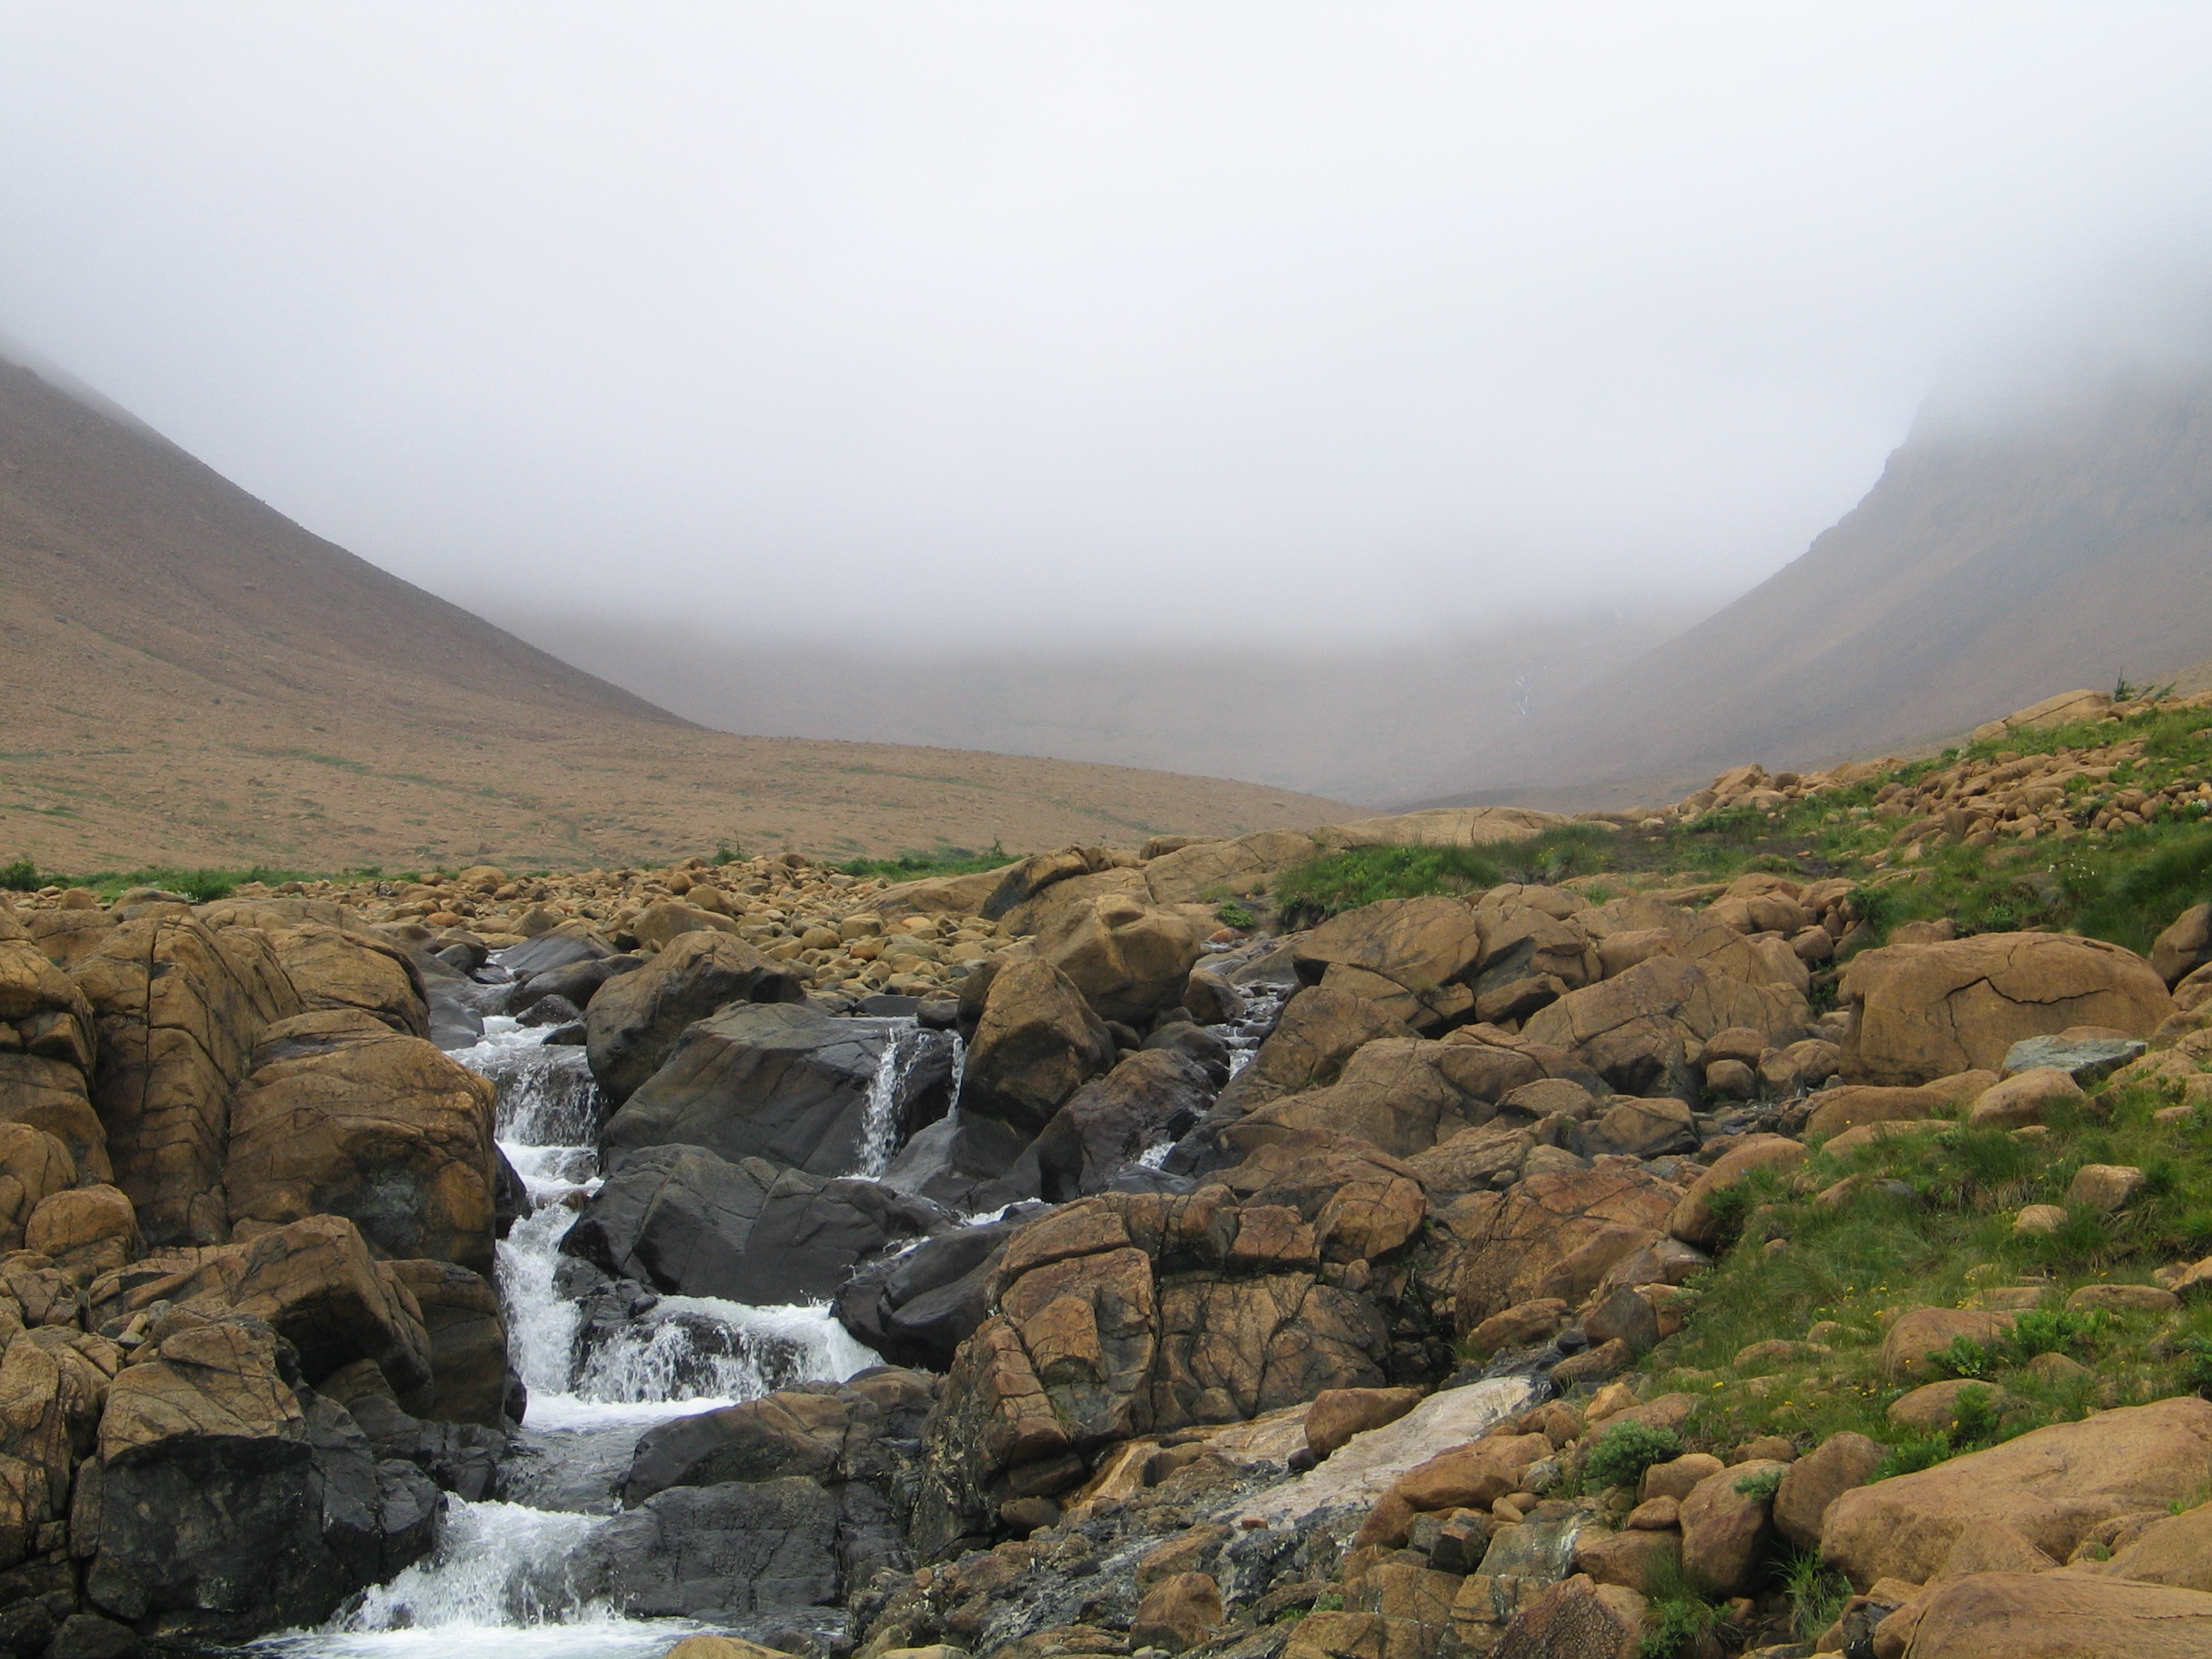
(926, 326)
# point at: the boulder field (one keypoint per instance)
(1469, 1274)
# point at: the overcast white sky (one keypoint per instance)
(956, 323)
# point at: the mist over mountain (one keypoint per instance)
(189, 677)
(1359, 721)
(2008, 550)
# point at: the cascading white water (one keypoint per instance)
(497, 1585)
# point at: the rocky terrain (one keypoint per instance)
(1653, 1261)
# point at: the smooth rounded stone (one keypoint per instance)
(1839, 1464)
(549, 950)
(1678, 1477)
(1548, 1097)
(2025, 1095)
(2123, 1298)
(2040, 1218)
(1731, 1080)
(1934, 1408)
(549, 1011)
(2105, 1187)
(1639, 1128)
(578, 982)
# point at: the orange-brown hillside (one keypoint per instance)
(189, 678)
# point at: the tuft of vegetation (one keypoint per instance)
(1681, 1614)
(1230, 914)
(1817, 1593)
(1763, 1485)
(1323, 887)
(945, 861)
(1620, 1454)
(20, 876)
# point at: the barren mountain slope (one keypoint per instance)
(1981, 572)
(187, 676)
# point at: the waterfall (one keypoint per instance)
(497, 1583)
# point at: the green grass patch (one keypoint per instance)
(1926, 1221)
(201, 886)
(1325, 886)
(945, 861)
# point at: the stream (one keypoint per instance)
(498, 1583)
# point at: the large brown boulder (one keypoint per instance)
(343, 1115)
(1631, 1029)
(180, 1009)
(1128, 959)
(47, 1015)
(2186, 944)
(1841, 1463)
(1319, 1030)
(1553, 1235)
(635, 1021)
(1922, 1011)
(1038, 1041)
(53, 1383)
(315, 1282)
(2050, 1487)
(340, 967)
(1726, 1528)
(1128, 1314)
(1192, 874)
(34, 1166)
(2056, 1615)
(1403, 1094)
(1694, 1220)
(1408, 955)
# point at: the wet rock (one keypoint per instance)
(635, 1021)
(782, 1082)
(855, 1432)
(1149, 1099)
(686, 1221)
(918, 1309)
(227, 1506)
(720, 1554)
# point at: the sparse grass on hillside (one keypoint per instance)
(201, 886)
(1368, 875)
(2123, 886)
(1926, 1220)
